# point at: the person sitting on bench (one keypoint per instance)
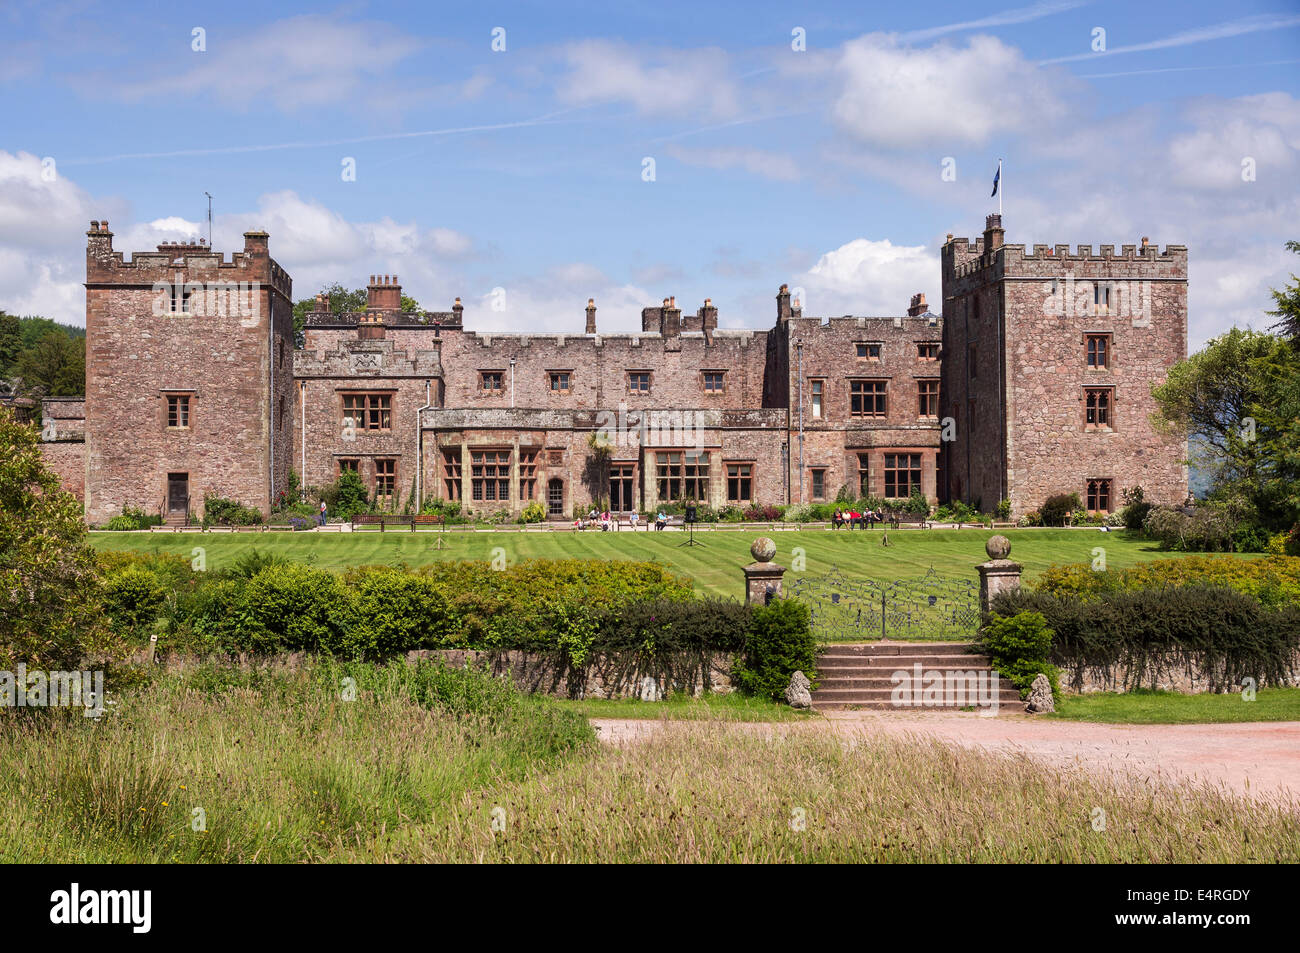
(661, 520)
(632, 520)
(837, 520)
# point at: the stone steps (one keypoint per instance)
(863, 676)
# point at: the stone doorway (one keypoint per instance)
(178, 494)
(555, 497)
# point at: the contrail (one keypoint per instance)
(1019, 15)
(1220, 31)
(225, 150)
(1185, 69)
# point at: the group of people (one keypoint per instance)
(606, 522)
(855, 520)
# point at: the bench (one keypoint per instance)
(369, 519)
(427, 519)
(896, 520)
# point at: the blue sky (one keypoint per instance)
(523, 169)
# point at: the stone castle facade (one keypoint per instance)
(194, 388)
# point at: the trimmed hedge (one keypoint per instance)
(1228, 635)
(779, 643)
(637, 612)
(1274, 581)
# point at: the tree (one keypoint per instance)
(49, 583)
(1288, 306)
(55, 366)
(11, 342)
(1231, 399)
(342, 301)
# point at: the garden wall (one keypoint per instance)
(1174, 675)
(602, 677)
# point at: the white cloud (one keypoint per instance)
(302, 62)
(898, 96)
(1264, 128)
(556, 301)
(659, 83)
(869, 278)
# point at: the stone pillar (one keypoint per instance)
(999, 574)
(762, 577)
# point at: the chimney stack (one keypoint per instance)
(992, 232)
(384, 294)
(256, 243)
(708, 320)
(783, 304)
(918, 306)
(591, 315)
(100, 239)
(323, 303)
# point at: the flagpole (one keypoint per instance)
(999, 188)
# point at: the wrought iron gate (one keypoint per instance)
(928, 607)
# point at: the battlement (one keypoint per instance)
(194, 259)
(963, 257)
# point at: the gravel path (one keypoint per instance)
(1258, 759)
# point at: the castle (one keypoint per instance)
(1035, 380)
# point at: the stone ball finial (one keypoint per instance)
(998, 547)
(763, 549)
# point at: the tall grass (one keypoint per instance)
(705, 793)
(282, 767)
(285, 769)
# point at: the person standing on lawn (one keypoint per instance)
(322, 512)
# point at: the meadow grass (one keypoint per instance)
(714, 567)
(1146, 707)
(701, 792)
(732, 706)
(281, 765)
(285, 769)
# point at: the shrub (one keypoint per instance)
(295, 608)
(1135, 509)
(668, 628)
(132, 519)
(254, 561)
(399, 611)
(1203, 530)
(49, 613)
(1019, 647)
(1059, 507)
(779, 643)
(731, 514)
(534, 512)
(917, 503)
(349, 496)
(219, 511)
(1003, 511)
(133, 597)
(1227, 635)
(1274, 581)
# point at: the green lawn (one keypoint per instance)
(714, 565)
(1172, 708)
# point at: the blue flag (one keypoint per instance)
(996, 175)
